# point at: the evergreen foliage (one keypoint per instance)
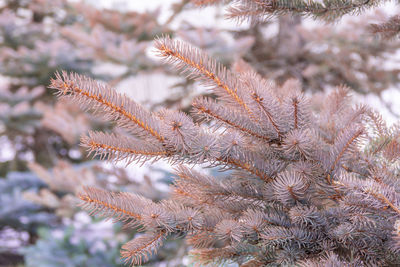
(76, 244)
(309, 185)
(324, 55)
(389, 29)
(39, 135)
(328, 10)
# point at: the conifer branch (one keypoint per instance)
(311, 6)
(109, 204)
(329, 10)
(95, 95)
(384, 200)
(206, 2)
(387, 30)
(212, 255)
(182, 191)
(141, 248)
(268, 114)
(298, 106)
(295, 103)
(344, 144)
(206, 190)
(345, 147)
(214, 111)
(214, 74)
(116, 148)
(247, 167)
(186, 191)
(264, 102)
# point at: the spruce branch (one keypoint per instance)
(111, 204)
(208, 256)
(210, 110)
(245, 166)
(260, 10)
(263, 101)
(118, 147)
(206, 2)
(384, 199)
(387, 30)
(298, 108)
(345, 143)
(94, 95)
(139, 249)
(199, 65)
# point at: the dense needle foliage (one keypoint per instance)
(310, 184)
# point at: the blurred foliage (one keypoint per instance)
(17, 211)
(76, 245)
(38, 38)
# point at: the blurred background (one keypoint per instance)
(42, 166)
